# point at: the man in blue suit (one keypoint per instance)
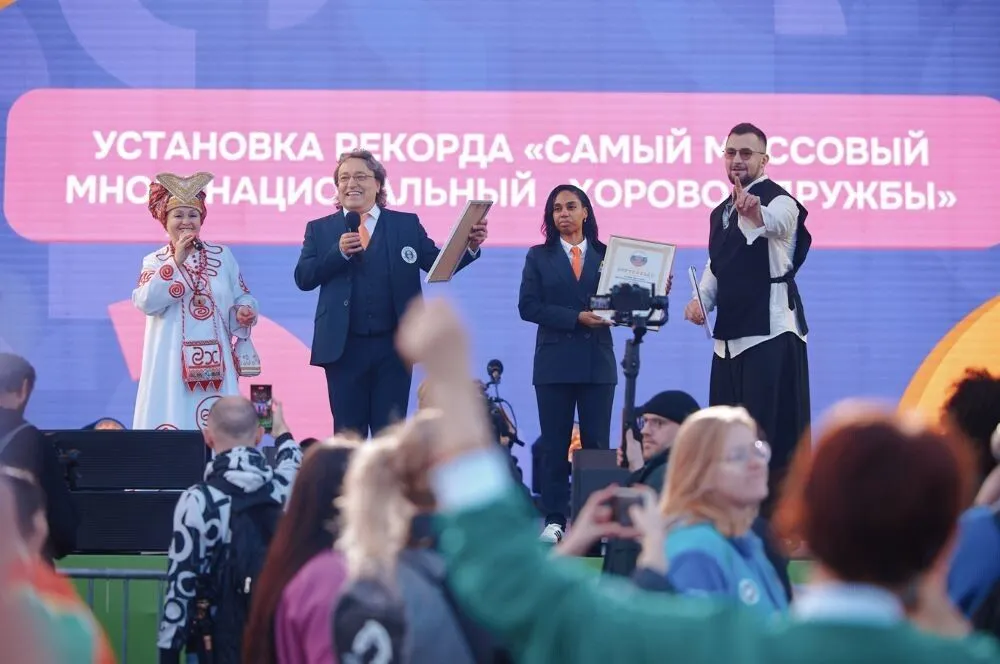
(366, 279)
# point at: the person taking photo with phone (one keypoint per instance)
(221, 531)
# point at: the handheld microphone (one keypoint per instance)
(353, 224)
(494, 368)
(353, 221)
(198, 245)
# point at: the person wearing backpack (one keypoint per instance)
(390, 545)
(222, 528)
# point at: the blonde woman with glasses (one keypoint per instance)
(716, 481)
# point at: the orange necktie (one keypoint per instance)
(577, 262)
(363, 230)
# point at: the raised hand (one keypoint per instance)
(432, 334)
(595, 521)
(747, 205)
(184, 247)
(278, 424)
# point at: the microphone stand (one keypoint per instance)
(630, 367)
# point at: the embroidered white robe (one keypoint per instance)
(173, 316)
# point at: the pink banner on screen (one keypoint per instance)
(874, 171)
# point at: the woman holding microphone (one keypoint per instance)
(574, 368)
(195, 301)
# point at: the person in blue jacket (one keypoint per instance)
(716, 482)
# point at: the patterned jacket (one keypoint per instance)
(200, 530)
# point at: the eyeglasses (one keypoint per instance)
(650, 424)
(759, 450)
(360, 178)
(744, 153)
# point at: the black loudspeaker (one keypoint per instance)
(126, 484)
(114, 459)
(124, 522)
(592, 471)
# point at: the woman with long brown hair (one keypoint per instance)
(298, 587)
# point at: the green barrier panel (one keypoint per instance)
(109, 601)
(138, 643)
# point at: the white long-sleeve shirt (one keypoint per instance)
(781, 221)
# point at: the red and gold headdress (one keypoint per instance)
(173, 191)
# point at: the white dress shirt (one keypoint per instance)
(568, 248)
(781, 221)
(848, 603)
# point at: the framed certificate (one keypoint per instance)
(633, 261)
(458, 241)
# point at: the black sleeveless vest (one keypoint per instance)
(744, 272)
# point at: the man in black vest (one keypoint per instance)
(757, 243)
(366, 279)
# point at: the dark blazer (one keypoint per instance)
(321, 265)
(551, 297)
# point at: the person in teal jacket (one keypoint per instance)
(702, 561)
(878, 553)
(716, 482)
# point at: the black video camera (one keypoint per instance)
(628, 302)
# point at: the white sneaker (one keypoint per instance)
(552, 534)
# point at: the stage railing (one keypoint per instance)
(120, 598)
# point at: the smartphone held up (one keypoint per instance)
(622, 502)
(262, 400)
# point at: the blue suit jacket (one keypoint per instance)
(321, 265)
(551, 297)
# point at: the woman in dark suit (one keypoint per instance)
(575, 368)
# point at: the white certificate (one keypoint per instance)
(453, 251)
(640, 262)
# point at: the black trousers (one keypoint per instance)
(557, 404)
(770, 380)
(369, 385)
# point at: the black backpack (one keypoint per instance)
(235, 567)
(987, 617)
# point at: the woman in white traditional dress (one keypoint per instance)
(195, 301)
